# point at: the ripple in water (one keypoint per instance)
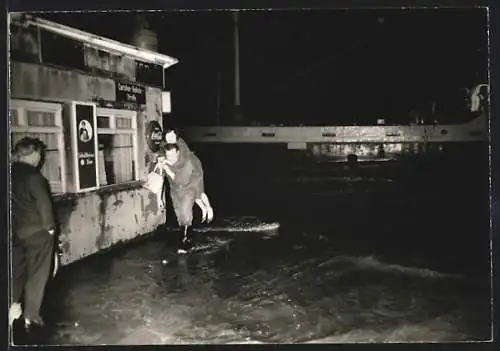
(252, 291)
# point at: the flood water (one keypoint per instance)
(390, 252)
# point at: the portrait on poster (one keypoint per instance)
(85, 131)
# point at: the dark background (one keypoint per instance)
(314, 67)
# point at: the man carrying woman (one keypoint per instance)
(184, 173)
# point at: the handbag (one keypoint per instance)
(154, 181)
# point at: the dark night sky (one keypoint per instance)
(315, 67)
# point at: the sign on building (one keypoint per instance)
(126, 92)
(85, 157)
(154, 135)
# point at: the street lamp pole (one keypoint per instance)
(237, 97)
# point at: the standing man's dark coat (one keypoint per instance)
(33, 226)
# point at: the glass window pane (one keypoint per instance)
(40, 119)
(116, 158)
(14, 117)
(123, 123)
(102, 122)
(49, 139)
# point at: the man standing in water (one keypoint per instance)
(202, 201)
(33, 228)
(185, 176)
(182, 194)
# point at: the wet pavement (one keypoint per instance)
(371, 256)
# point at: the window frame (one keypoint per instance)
(21, 106)
(112, 114)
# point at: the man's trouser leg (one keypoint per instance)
(18, 269)
(39, 256)
(183, 205)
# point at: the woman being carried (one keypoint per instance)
(184, 172)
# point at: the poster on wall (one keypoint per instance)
(85, 146)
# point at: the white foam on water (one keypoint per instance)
(429, 331)
(343, 179)
(213, 245)
(249, 341)
(263, 227)
(237, 224)
(370, 262)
